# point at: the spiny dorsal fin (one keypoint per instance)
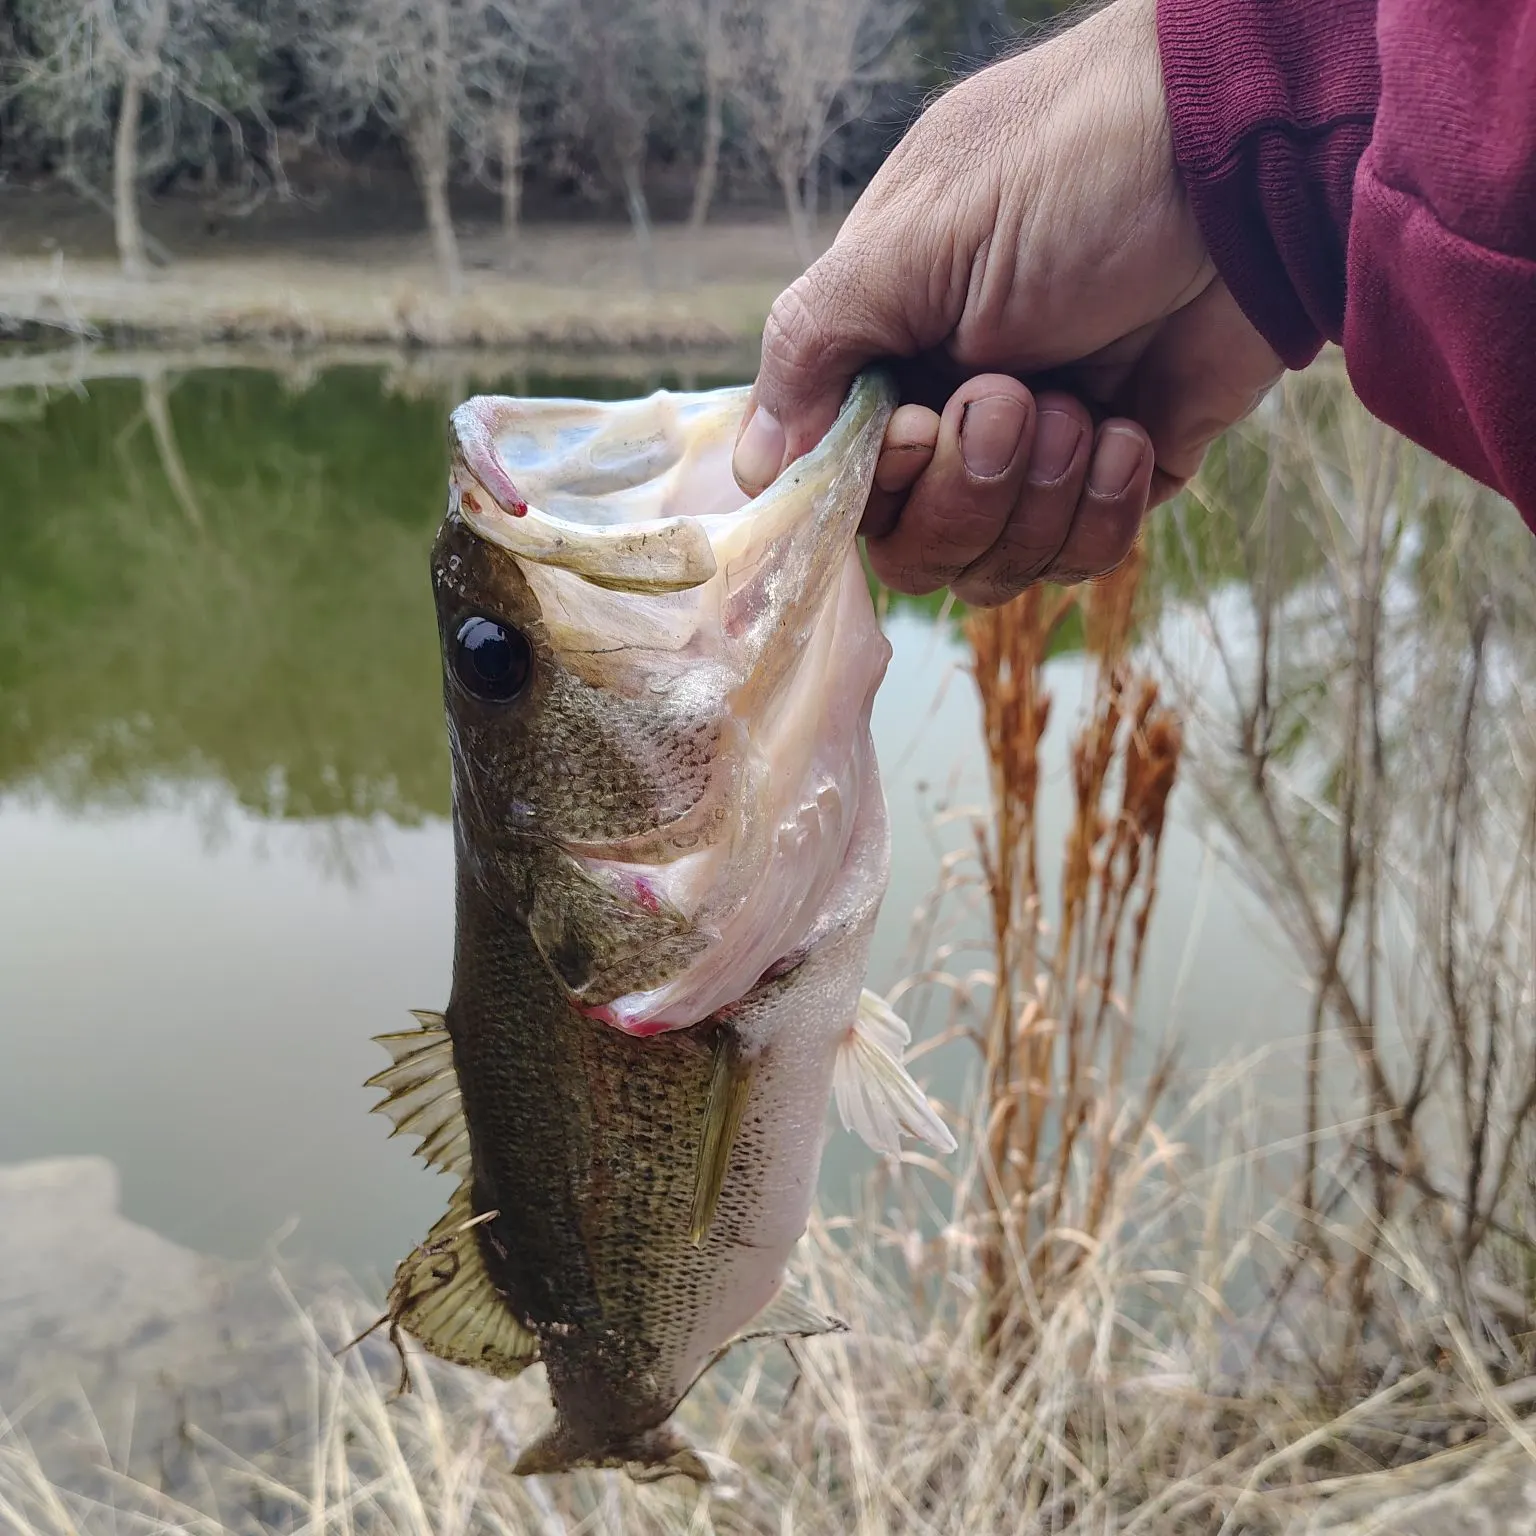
(875, 1094)
(423, 1093)
(729, 1090)
(790, 1315)
(443, 1297)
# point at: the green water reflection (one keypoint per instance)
(219, 576)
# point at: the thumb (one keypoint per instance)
(841, 314)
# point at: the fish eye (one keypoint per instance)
(492, 661)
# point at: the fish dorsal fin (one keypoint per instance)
(790, 1315)
(443, 1297)
(875, 1094)
(422, 1093)
(729, 1090)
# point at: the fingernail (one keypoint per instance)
(989, 434)
(760, 452)
(1115, 462)
(1056, 438)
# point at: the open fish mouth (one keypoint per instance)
(631, 497)
(636, 496)
(659, 579)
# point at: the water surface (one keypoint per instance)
(225, 861)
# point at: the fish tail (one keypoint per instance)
(655, 1453)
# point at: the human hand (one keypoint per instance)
(1027, 252)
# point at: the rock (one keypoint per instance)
(79, 1282)
(117, 1345)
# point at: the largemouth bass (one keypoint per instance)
(671, 847)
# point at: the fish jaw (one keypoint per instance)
(598, 489)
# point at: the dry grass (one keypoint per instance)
(1368, 752)
(1111, 1312)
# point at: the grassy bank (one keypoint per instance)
(572, 288)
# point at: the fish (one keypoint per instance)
(671, 846)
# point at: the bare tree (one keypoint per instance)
(801, 70)
(518, 36)
(620, 60)
(709, 27)
(409, 61)
(129, 74)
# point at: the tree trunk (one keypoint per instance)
(125, 179)
(429, 159)
(794, 206)
(510, 151)
(157, 409)
(709, 159)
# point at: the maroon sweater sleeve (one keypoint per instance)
(1364, 171)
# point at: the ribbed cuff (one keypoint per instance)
(1272, 104)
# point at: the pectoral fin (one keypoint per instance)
(729, 1090)
(875, 1094)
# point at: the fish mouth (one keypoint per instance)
(598, 487)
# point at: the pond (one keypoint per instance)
(225, 860)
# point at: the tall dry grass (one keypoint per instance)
(1115, 1311)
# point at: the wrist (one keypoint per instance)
(1270, 106)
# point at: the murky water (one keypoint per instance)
(224, 855)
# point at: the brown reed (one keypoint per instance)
(1059, 1032)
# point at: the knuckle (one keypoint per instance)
(955, 532)
(999, 586)
(1011, 569)
(899, 574)
(796, 334)
(1073, 573)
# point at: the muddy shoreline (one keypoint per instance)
(50, 360)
